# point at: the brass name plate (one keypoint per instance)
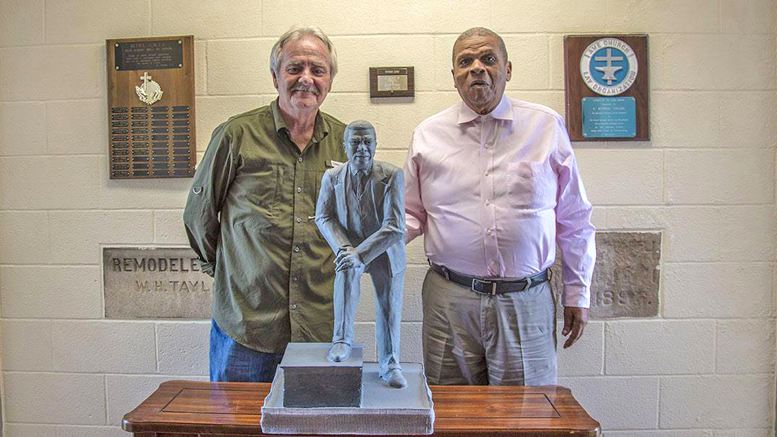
(151, 114)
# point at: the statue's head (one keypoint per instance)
(360, 141)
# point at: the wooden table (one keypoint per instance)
(232, 409)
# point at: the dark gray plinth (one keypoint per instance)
(384, 411)
(311, 380)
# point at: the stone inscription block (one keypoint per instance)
(626, 277)
(155, 283)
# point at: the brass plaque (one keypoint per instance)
(151, 107)
(392, 82)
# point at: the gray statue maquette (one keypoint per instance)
(361, 213)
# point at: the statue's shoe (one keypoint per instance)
(394, 378)
(339, 352)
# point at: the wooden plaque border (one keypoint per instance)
(178, 87)
(575, 89)
(374, 93)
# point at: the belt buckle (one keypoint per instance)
(493, 286)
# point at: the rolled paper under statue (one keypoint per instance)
(361, 214)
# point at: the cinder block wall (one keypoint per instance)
(703, 367)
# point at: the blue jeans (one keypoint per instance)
(230, 361)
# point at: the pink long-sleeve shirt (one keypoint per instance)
(493, 194)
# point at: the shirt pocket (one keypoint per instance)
(263, 196)
(530, 185)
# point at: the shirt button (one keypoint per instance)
(489, 232)
(299, 189)
(299, 220)
(299, 159)
(296, 248)
(485, 174)
(294, 306)
(488, 202)
(295, 279)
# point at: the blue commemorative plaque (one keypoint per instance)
(609, 117)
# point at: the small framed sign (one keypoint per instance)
(392, 82)
(606, 78)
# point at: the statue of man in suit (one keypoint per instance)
(361, 213)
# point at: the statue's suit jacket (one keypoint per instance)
(388, 194)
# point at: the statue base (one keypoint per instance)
(384, 410)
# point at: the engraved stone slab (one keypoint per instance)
(626, 277)
(155, 282)
(311, 380)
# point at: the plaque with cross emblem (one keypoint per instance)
(151, 107)
(606, 87)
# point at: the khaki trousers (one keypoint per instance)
(478, 339)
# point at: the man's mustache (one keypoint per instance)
(304, 88)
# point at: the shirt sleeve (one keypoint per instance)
(209, 189)
(574, 232)
(415, 219)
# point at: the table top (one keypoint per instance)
(461, 411)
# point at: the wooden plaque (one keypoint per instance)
(151, 107)
(392, 82)
(616, 108)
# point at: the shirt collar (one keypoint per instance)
(320, 131)
(501, 112)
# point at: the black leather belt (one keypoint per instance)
(491, 286)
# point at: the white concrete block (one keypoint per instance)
(336, 18)
(412, 308)
(584, 358)
(720, 290)
(21, 22)
(705, 131)
(26, 73)
(411, 348)
(395, 121)
(443, 63)
(182, 348)
(599, 218)
(112, 347)
(630, 177)
(660, 347)
(396, 157)
(617, 402)
(25, 237)
(169, 228)
(754, 51)
(716, 401)
(125, 392)
(49, 182)
(657, 61)
(351, 107)
(747, 16)
(691, 61)
(661, 433)
(207, 19)
(76, 236)
(720, 176)
(77, 127)
(530, 58)
(26, 430)
(744, 230)
(556, 72)
(56, 398)
(94, 21)
(239, 67)
(91, 431)
(745, 120)
(752, 432)
(27, 345)
(364, 333)
(355, 55)
(666, 16)
(50, 292)
(140, 193)
(20, 132)
(212, 111)
(745, 346)
(200, 68)
(548, 16)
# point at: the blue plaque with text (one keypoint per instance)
(609, 117)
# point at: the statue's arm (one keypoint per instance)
(326, 215)
(392, 229)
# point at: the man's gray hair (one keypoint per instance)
(359, 125)
(480, 31)
(297, 33)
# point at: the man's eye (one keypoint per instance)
(464, 62)
(490, 59)
(293, 70)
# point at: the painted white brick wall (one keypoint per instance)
(703, 368)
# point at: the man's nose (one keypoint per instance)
(306, 76)
(477, 67)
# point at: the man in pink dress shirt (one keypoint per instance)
(493, 184)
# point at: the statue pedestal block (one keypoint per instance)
(311, 380)
(384, 410)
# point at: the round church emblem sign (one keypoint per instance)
(608, 66)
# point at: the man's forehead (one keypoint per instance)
(306, 47)
(360, 131)
(476, 44)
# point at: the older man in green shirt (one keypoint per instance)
(250, 215)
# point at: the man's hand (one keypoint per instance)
(575, 320)
(347, 258)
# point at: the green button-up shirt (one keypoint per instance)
(250, 218)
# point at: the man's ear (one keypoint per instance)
(274, 79)
(509, 70)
